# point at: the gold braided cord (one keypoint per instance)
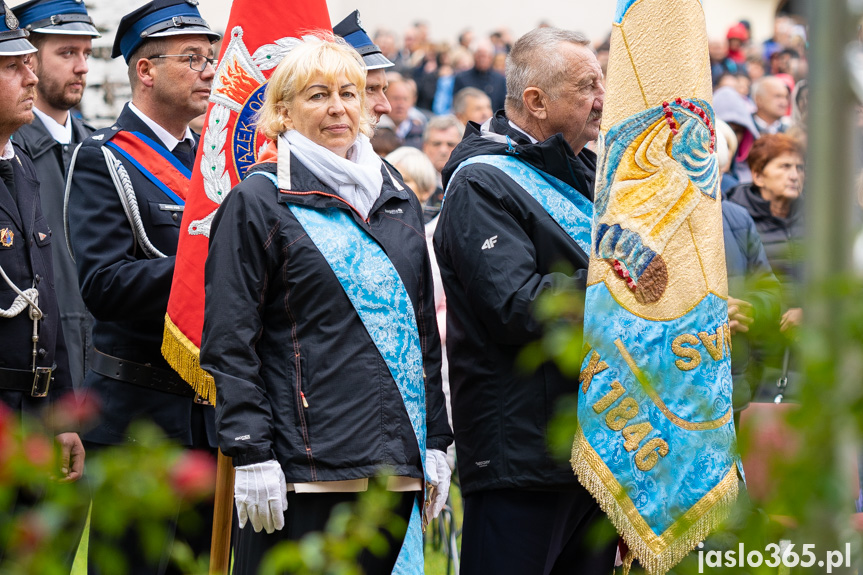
(658, 554)
(183, 356)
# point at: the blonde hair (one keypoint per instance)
(321, 54)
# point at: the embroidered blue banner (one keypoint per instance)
(569, 208)
(656, 426)
(378, 295)
(656, 443)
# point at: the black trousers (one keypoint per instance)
(309, 512)
(519, 532)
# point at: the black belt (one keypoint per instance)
(35, 383)
(142, 375)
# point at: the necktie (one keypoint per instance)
(183, 152)
(8, 177)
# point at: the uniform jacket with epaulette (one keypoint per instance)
(51, 160)
(27, 261)
(126, 290)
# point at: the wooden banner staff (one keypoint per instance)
(223, 514)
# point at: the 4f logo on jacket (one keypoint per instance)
(489, 243)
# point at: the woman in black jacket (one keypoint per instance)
(773, 199)
(319, 324)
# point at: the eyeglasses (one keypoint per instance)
(197, 62)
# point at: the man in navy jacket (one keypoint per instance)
(124, 225)
(34, 370)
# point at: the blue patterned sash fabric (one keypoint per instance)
(569, 208)
(379, 297)
(410, 560)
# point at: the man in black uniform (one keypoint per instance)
(34, 371)
(376, 79)
(126, 195)
(63, 32)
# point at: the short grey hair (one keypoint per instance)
(536, 61)
(459, 102)
(444, 122)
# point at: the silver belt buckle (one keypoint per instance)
(200, 400)
(41, 381)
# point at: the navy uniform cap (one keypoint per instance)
(56, 17)
(13, 40)
(157, 19)
(352, 31)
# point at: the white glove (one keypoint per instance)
(439, 475)
(261, 495)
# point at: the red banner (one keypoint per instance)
(258, 36)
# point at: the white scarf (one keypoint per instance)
(357, 180)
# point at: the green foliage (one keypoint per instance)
(42, 519)
(147, 481)
(813, 483)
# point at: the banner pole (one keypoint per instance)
(223, 511)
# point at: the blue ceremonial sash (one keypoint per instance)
(570, 209)
(380, 299)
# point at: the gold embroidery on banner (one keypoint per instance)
(609, 398)
(651, 393)
(584, 351)
(650, 453)
(610, 273)
(635, 434)
(697, 253)
(690, 353)
(618, 417)
(727, 338)
(713, 342)
(657, 553)
(596, 365)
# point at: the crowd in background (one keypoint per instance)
(760, 90)
(432, 78)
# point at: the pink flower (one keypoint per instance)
(194, 474)
(39, 451)
(28, 534)
(8, 444)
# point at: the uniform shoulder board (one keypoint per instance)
(105, 134)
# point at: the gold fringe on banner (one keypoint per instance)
(183, 356)
(658, 554)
